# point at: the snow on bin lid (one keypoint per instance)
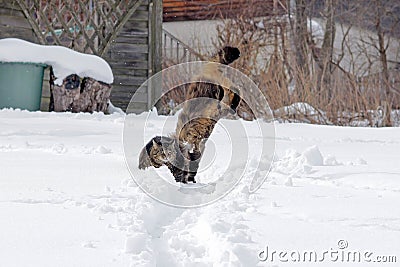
(63, 60)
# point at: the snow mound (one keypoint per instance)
(313, 157)
(331, 161)
(135, 244)
(103, 150)
(295, 163)
(63, 60)
(111, 109)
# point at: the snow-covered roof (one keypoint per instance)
(63, 60)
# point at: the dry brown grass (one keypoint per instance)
(346, 100)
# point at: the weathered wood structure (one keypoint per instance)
(182, 10)
(126, 33)
(13, 22)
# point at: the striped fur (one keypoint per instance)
(206, 103)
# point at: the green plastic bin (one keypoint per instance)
(21, 85)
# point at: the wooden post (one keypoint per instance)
(156, 19)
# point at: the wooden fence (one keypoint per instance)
(126, 33)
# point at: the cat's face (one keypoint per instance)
(157, 152)
(162, 149)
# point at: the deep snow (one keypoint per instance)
(67, 198)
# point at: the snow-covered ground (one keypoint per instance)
(67, 199)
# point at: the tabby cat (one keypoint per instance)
(206, 103)
(162, 150)
(157, 152)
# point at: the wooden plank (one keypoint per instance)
(121, 91)
(199, 8)
(46, 89)
(14, 32)
(122, 95)
(137, 31)
(197, 2)
(124, 91)
(129, 80)
(46, 83)
(44, 104)
(156, 51)
(128, 57)
(140, 15)
(138, 97)
(209, 3)
(131, 39)
(142, 18)
(11, 12)
(14, 21)
(131, 64)
(143, 7)
(115, 55)
(130, 71)
(119, 27)
(9, 4)
(156, 29)
(137, 24)
(130, 48)
(120, 101)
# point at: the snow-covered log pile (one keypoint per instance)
(78, 83)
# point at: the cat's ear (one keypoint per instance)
(166, 140)
(155, 145)
(169, 141)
